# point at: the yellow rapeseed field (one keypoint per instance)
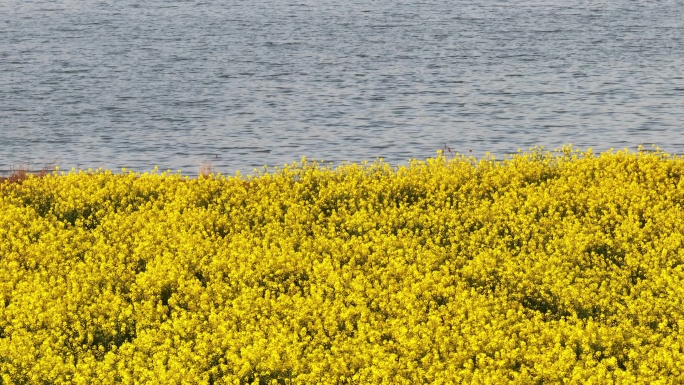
(542, 268)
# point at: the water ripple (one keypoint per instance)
(242, 84)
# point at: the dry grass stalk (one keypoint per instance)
(205, 169)
(20, 173)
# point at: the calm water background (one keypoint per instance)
(245, 83)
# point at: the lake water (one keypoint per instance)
(241, 84)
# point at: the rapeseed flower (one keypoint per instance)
(543, 267)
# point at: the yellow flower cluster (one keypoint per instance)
(544, 267)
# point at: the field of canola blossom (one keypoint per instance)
(546, 267)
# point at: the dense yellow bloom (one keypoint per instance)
(545, 267)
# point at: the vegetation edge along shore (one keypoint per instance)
(545, 267)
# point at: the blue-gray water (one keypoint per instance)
(241, 84)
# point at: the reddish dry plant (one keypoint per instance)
(20, 174)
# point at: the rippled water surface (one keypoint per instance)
(241, 84)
